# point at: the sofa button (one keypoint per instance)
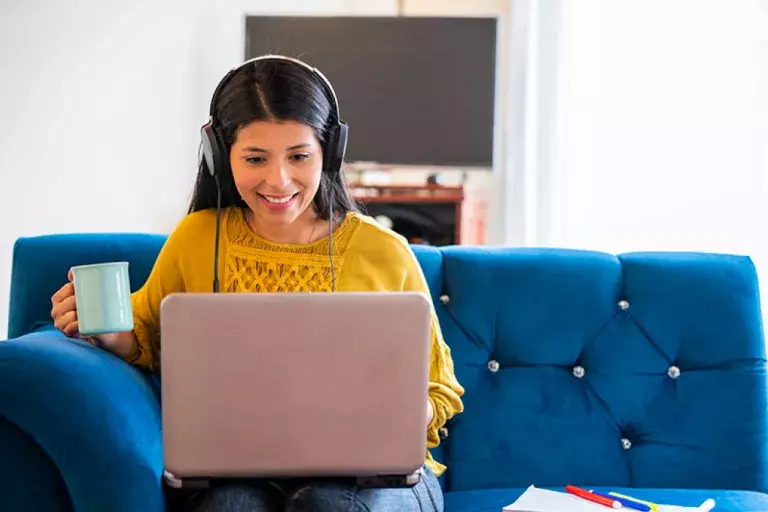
(493, 366)
(623, 304)
(443, 432)
(673, 372)
(578, 371)
(445, 299)
(626, 443)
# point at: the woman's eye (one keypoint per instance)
(253, 160)
(299, 157)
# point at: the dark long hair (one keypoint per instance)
(272, 90)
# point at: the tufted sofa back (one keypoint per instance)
(579, 367)
(640, 370)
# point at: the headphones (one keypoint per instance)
(214, 151)
(217, 159)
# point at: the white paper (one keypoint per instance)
(704, 507)
(542, 500)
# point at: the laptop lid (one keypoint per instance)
(294, 385)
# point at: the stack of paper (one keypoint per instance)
(541, 500)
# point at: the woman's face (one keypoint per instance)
(277, 167)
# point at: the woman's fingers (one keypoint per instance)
(64, 309)
(67, 323)
(65, 291)
(64, 306)
(73, 330)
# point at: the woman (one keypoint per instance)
(288, 224)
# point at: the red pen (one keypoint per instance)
(581, 493)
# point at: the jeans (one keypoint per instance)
(306, 496)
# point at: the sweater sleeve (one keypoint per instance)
(444, 389)
(165, 278)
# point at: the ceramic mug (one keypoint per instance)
(103, 295)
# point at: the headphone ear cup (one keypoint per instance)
(339, 148)
(211, 148)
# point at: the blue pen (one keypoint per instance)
(624, 501)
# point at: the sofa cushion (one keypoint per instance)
(725, 501)
(631, 363)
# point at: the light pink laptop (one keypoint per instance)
(295, 385)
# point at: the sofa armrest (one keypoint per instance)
(40, 266)
(96, 417)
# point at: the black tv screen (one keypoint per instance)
(414, 91)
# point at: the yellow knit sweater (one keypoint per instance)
(366, 257)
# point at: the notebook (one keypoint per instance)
(542, 500)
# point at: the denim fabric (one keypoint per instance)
(309, 496)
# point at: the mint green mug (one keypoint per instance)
(103, 296)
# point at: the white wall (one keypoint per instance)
(102, 101)
(660, 135)
(99, 127)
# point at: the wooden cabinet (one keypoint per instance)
(423, 214)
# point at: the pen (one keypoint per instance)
(652, 506)
(625, 502)
(594, 498)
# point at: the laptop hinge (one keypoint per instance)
(185, 483)
(390, 480)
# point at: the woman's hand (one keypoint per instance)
(64, 314)
(64, 309)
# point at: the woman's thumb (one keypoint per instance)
(70, 276)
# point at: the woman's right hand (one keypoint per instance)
(64, 309)
(64, 314)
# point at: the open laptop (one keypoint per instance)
(293, 385)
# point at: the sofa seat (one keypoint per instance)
(725, 501)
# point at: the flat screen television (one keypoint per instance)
(413, 90)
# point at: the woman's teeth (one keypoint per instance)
(278, 200)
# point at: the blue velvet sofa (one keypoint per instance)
(643, 373)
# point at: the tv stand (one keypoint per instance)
(424, 214)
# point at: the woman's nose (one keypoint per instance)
(278, 177)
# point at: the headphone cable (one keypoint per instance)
(330, 242)
(218, 229)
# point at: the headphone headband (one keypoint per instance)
(326, 84)
(213, 150)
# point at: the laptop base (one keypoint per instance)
(175, 482)
(373, 481)
(384, 481)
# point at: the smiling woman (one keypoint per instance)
(276, 119)
(286, 222)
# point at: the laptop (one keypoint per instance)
(294, 385)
